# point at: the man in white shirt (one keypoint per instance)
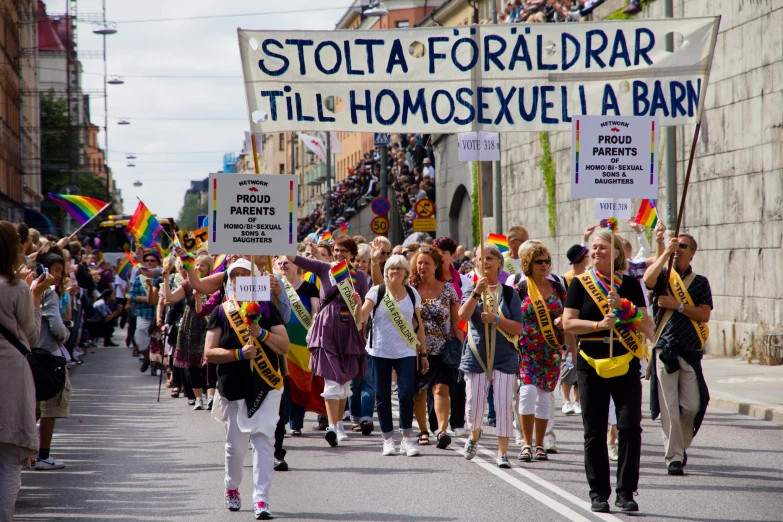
(428, 170)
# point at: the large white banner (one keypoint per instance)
(518, 77)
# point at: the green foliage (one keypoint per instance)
(474, 202)
(60, 153)
(191, 209)
(547, 164)
(619, 15)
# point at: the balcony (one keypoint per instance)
(316, 176)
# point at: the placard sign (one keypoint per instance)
(614, 157)
(252, 214)
(479, 146)
(253, 288)
(618, 208)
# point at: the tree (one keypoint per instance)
(61, 154)
(191, 209)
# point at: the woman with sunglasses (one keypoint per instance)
(494, 308)
(540, 343)
(336, 344)
(440, 316)
(583, 317)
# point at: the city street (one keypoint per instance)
(129, 458)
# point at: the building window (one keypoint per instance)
(282, 141)
(403, 24)
(282, 168)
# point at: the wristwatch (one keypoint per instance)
(681, 308)
(424, 354)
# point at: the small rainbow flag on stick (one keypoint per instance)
(648, 214)
(144, 226)
(345, 227)
(82, 208)
(325, 237)
(500, 241)
(340, 271)
(132, 258)
(220, 264)
(124, 269)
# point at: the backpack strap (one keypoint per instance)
(508, 295)
(517, 279)
(381, 293)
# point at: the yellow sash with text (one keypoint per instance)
(508, 265)
(491, 306)
(404, 328)
(346, 290)
(261, 365)
(543, 318)
(680, 292)
(298, 306)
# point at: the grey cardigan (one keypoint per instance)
(53, 331)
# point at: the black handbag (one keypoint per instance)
(452, 353)
(48, 369)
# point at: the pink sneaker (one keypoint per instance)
(233, 502)
(261, 511)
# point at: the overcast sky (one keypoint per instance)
(171, 153)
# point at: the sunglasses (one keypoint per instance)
(385, 252)
(684, 246)
(150, 260)
(283, 264)
(543, 262)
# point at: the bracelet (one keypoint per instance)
(187, 261)
(497, 318)
(264, 337)
(595, 327)
(629, 317)
(475, 296)
(238, 355)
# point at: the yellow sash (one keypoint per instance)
(404, 328)
(345, 289)
(633, 341)
(508, 265)
(298, 306)
(543, 318)
(261, 364)
(680, 292)
(491, 307)
(568, 276)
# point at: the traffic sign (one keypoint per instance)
(424, 208)
(202, 222)
(380, 225)
(382, 139)
(380, 206)
(424, 225)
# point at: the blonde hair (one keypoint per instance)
(395, 261)
(207, 260)
(619, 261)
(384, 240)
(536, 249)
(518, 230)
(526, 246)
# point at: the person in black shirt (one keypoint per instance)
(238, 384)
(678, 390)
(584, 318)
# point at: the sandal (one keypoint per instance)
(424, 439)
(175, 393)
(296, 433)
(526, 455)
(356, 428)
(135, 352)
(444, 439)
(541, 453)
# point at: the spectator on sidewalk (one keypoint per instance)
(101, 324)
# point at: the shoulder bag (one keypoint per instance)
(48, 369)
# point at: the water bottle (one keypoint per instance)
(569, 361)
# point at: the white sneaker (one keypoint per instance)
(341, 435)
(577, 408)
(48, 464)
(550, 444)
(613, 455)
(388, 447)
(199, 404)
(460, 432)
(520, 441)
(408, 448)
(568, 408)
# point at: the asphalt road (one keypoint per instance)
(129, 458)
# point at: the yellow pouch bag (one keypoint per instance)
(608, 368)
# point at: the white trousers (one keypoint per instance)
(534, 401)
(476, 391)
(10, 480)
(236, 448)
(334, 391)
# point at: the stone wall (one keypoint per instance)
(735, 199)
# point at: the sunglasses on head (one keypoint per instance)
(543, 262)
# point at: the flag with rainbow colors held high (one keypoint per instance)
(648, 214)
(220, 264)
(124, 268)
(132, 258)
(81, 208)
(144, 226)
(340, 271)
(325, 237)
(500, 241)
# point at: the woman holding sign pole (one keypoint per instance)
(393, 343)
(594, 305)
(335, 340)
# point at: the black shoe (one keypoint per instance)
(491, 423)
(443, 440)
(323, 423)
(675, 468)
(367, 427)
(599, 505)
(331, 437)
(282, 465)
(144, 365)
(684, 458)
(110, 344)
(210, 403)
(626, 502)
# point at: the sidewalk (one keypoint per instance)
(748, 389)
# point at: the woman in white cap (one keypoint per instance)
(249, 398)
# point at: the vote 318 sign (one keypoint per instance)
(614, 157)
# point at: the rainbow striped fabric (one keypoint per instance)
(132, 258)
(144, 226)
(81, 208)
(220, 264)
(648, 214)
(325, 237)
(340, 272)
(500, 241)
(124, 269)
(345, 227)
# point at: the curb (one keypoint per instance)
(762, 411)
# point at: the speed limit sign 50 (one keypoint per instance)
(380, 225)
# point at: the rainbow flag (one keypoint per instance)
(124, 269)
(220, 264)
(325, 237)
(132, 258)
(463, 326)
(345, 228)
(648, 214)
(340, 271)
(81, 208)
(500, 241)
(144, 226)
(305, 388)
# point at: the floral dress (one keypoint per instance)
(436, 316)
(540, 363)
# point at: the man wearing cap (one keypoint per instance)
(427, 169)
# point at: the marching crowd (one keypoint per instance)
(350, 322)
